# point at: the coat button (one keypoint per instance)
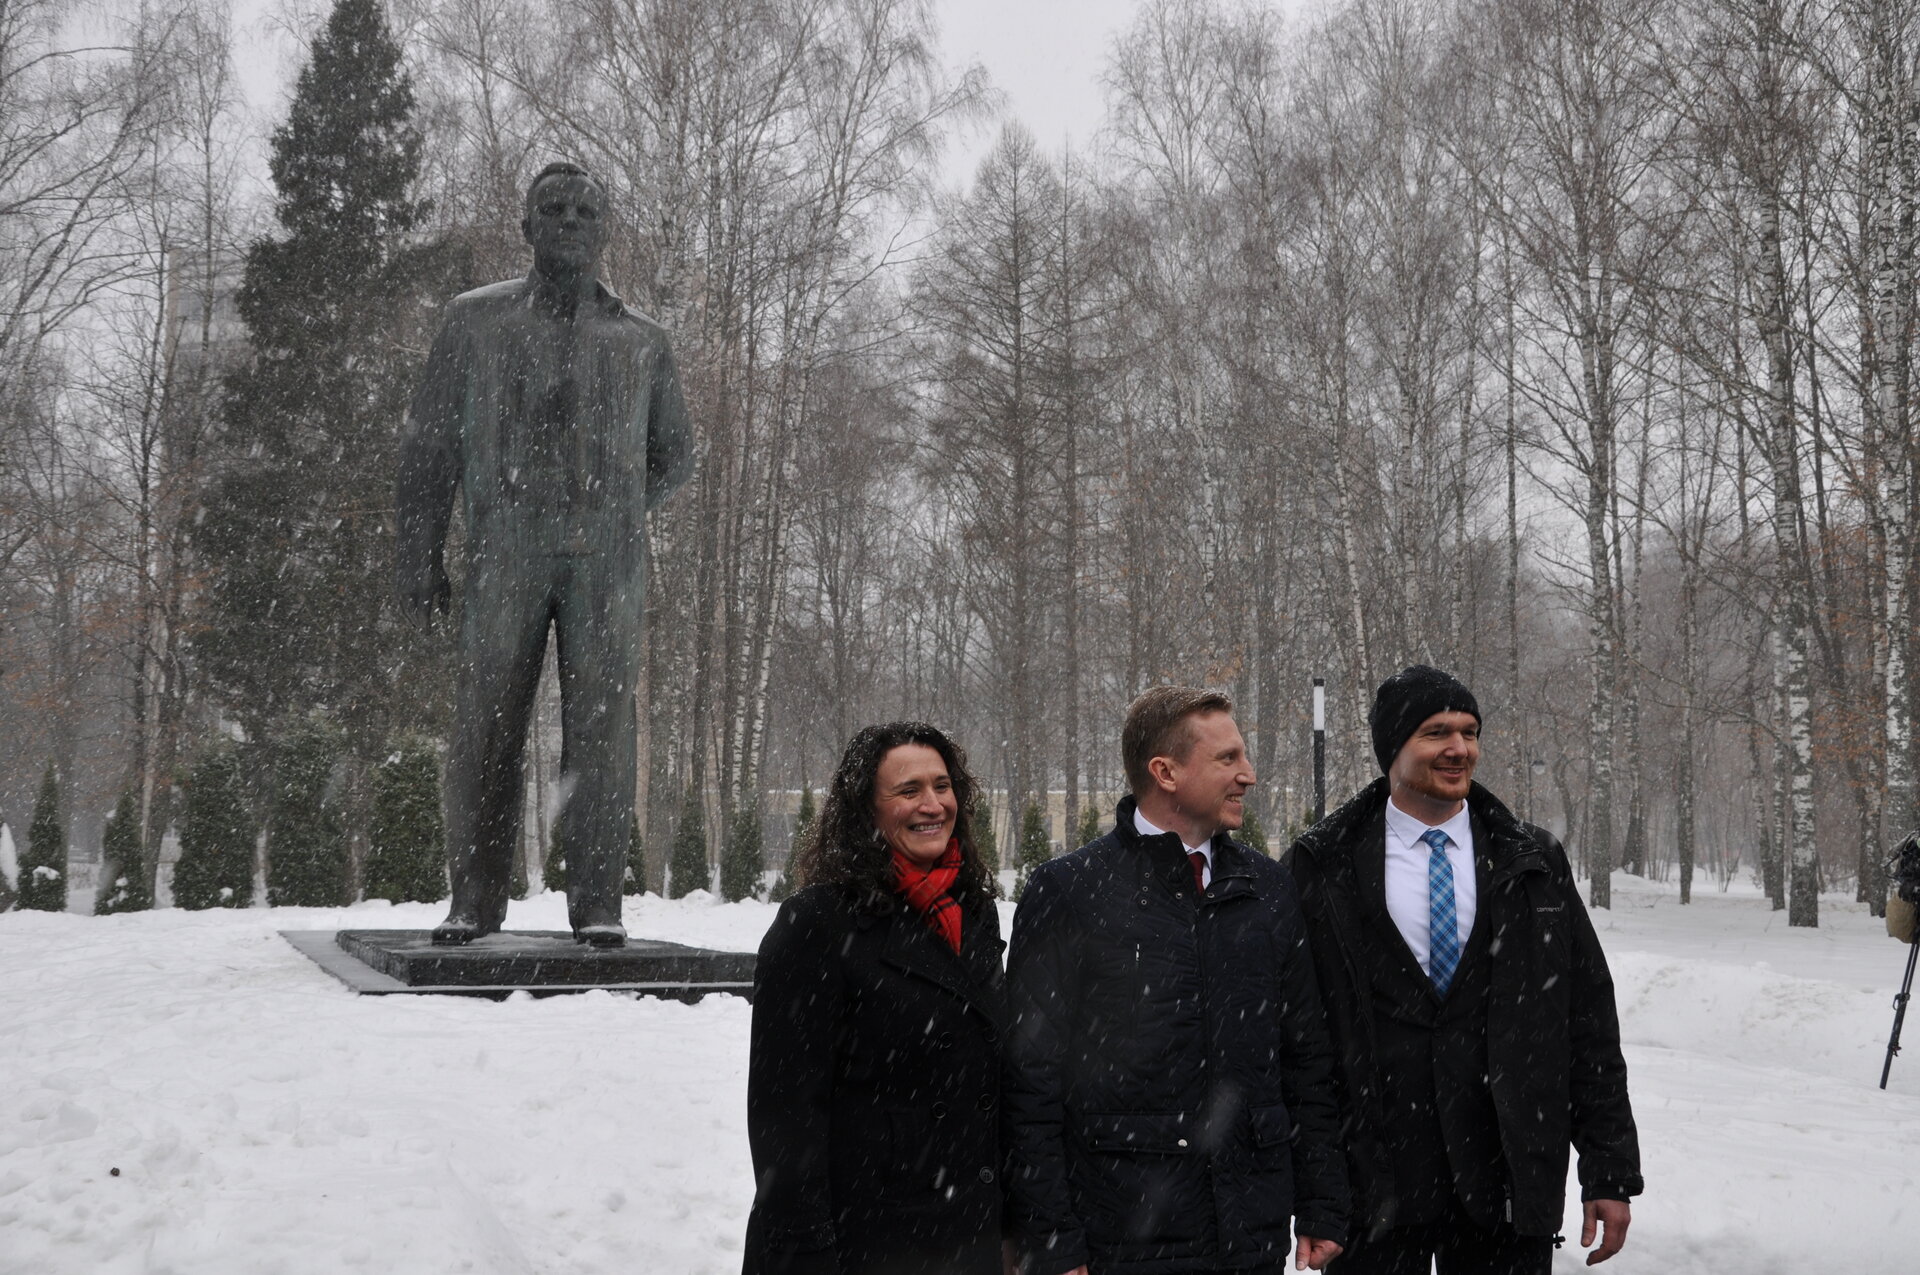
(946, 1040)
(986, 1175)
(939, 1110)
(986, 1102)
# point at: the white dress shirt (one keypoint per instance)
(1408, 900)
(1146, 829)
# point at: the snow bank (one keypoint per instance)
(264, 1120)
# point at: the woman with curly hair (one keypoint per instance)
(873, 1086)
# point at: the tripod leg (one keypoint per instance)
(1899, 1013)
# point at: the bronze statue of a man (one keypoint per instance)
(557, 410)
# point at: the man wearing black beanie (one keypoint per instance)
(1471, 1006)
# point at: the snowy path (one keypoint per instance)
(265, 1120)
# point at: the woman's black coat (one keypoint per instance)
(873, 1090)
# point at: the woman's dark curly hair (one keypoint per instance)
(846, 849)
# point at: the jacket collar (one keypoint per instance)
(1348, 848)
(912, 946)
(605, 300)
(1166, 855)
(1502, 843)
(1511, 847)
(1130, 836)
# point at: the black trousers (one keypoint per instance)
(1457, 1246)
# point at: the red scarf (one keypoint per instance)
(926, 889)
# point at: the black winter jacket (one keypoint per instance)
(1169, 1086)
(1553, 1064)
(873, 1087)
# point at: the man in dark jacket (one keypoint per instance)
(1471, 1006)
(1169, 1091)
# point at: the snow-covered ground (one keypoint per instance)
(263, 1119)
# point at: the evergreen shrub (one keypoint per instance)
(743, 857)
(1252, 835)
(635, 881)
(1089, 830)
(803, 821)
(984, 842)
(687, 865)
(43, 870)
(553, 873)
(406, 850)
(1034, 848)
(306, 836)
(216, 836)
(521, 887)
(123, 879)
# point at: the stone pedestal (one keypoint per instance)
(543, 962)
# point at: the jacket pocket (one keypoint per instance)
(1261, 1188)
(915, 1160)
(1141, 1185)
(1272, 1126)
(1144, 1132)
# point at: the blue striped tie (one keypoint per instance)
(1444, 940)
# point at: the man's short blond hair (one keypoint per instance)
(1159, 724)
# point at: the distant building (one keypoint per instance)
(203, 307)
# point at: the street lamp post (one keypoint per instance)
(1319, 749)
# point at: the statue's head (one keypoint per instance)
(565, 220)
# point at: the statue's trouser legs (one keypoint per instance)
(599, 622)
(503, 645)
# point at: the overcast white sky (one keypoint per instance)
(1045, 56)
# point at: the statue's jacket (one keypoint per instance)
(561, 435)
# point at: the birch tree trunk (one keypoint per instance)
(1890, 135)
(1633, 856)
(1793, 625)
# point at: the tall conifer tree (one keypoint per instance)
(296, 532)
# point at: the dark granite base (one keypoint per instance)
(544, 963)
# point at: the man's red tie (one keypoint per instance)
(1199, 862)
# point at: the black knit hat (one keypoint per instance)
(1408, 698)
